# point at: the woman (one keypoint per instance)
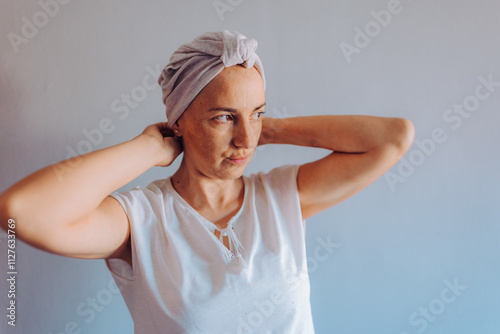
(207, 250)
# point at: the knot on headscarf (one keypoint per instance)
(195, 64)
(238, 49)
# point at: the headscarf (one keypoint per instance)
(195, 64)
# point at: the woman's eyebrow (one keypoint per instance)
(231, 110)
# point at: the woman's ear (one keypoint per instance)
(177, 130)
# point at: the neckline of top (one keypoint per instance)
(199, 216)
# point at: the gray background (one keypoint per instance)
(428, 223)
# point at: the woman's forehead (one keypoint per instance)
(237, 86)
(237, 74)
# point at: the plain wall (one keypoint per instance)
(431, 222)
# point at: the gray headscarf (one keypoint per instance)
(195, 64)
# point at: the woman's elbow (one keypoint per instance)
(6, 210)
(408, 135)
(402, 134)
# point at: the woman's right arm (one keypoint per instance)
(65, 208)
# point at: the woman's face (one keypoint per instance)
(222, 126)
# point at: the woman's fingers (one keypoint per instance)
(172, 149)
(159, 130)
(165, 129)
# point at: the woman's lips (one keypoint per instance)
(238, 160)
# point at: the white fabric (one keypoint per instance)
(184, 280)
(193, 65)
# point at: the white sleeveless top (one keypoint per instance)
(184, 280)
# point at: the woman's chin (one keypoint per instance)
(232, 171)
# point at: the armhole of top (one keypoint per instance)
(287, 175)
(296, 173)
(120, 268)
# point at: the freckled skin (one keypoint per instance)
(209, 141)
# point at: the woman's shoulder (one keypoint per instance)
(278, 180)
(276, 174)
(154, 188)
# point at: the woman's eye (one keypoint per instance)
(258, 115)
(223, 118)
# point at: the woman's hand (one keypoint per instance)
(271, 127)
(169, 146)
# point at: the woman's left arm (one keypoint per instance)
(365, 147)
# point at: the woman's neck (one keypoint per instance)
(207, 194)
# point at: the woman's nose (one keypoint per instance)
(242, 136)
